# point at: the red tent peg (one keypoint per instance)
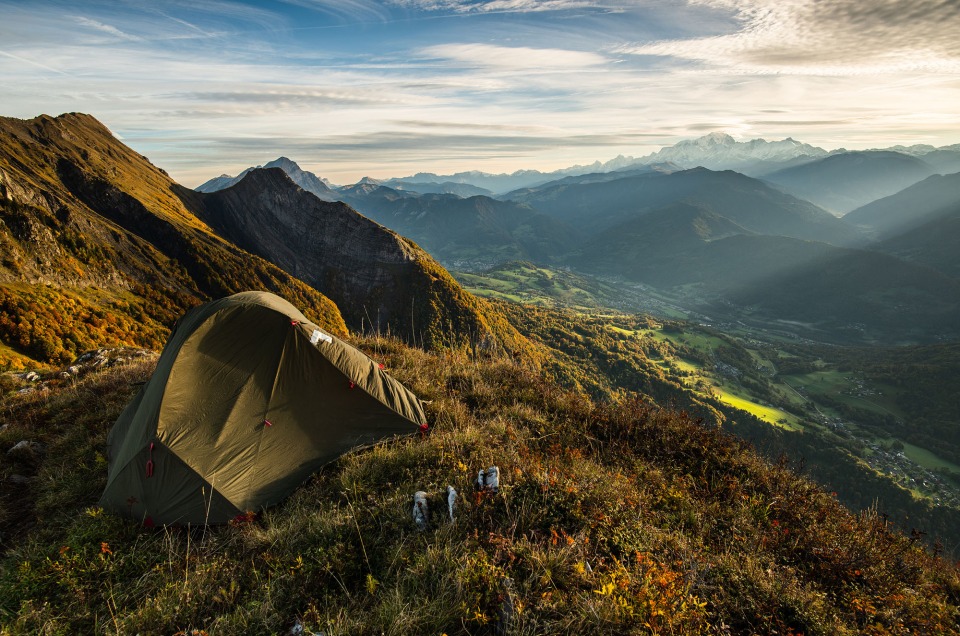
(267, 423)
(423, 429)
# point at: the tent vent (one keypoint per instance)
(318, 335)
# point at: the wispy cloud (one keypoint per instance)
(508, 6)
(31, 62)
(356, 87)
(513, 57)
(825, 37)
(353, 10)
(106, 28)
(281, 97)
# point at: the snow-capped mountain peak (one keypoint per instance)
(720, 151)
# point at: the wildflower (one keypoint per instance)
(105, 548)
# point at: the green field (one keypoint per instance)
(766, 413)
(927, 459)
(526, 283)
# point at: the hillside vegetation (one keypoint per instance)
(620, 518)
(97, 250)
(714, 377)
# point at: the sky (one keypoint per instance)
(349, 88)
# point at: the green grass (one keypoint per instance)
(768, 414)
(838, 385)
(530, 284)
(619, 518)
(927, 458)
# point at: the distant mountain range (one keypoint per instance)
(747, 202)
(729, 244)
(719, 151)
(716, 151)
(847, 180)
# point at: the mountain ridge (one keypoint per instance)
(844, 181)
(91, 224)
(383, 281)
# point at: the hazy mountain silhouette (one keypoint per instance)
(473, 232)
(935, 196)
(463, 190)
(920, 224)
(845, 181)
(747, 202)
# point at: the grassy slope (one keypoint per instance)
(611, 520)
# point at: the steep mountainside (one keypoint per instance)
(849, 294)
(747, 202)
(380, 280)
(934, 244)
(935, 197)
(845, 181)
(655, 241)
(98, 249)
(474, 232)
(920, 224)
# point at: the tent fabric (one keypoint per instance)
(249, 398)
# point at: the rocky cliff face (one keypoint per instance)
(380, 280)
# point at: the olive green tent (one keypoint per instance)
(249, 398)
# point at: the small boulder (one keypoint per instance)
(26, 449)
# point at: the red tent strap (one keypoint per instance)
(423, 429)
(294, 323)
(150, 461)
(352, 384)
